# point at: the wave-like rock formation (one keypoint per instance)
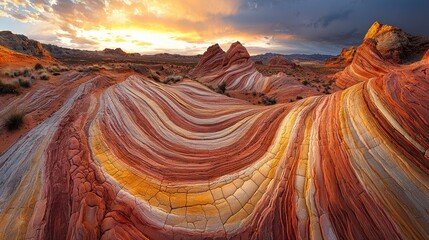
(395, 44)
(144, 160)
(344, 59)
(367, 63)
(236, 69)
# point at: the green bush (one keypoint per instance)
(14, 121)
(38, 66)
(306, 82)
(7, 88)
(298, 97)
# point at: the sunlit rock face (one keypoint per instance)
(395, 44)
(367, 63)
(344, 59)
(22, 44)
(139, 159)
(236, 69)
(426, 56)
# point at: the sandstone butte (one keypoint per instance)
(137, 159)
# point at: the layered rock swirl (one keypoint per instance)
(236, 69)
(367, 63)
(145, 160)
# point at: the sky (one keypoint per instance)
(190, 26)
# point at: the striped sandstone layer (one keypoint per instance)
(139, 159)
(236, 69)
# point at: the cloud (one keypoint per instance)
(192, 25)
(328, 19)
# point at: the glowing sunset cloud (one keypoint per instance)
(190, 26)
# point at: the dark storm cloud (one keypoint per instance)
(328, 19)
(329, 24)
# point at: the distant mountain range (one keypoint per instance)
(24, 45)
(318, 57)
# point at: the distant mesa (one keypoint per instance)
(344, 59)
(280, 63)
(117, 51)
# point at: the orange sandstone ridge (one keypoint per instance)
(139, 159)
(11, 59)
(239, 73)
(344, 59)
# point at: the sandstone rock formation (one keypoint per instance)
(395, 44)
(238, 72)
(279, 63)
(12, 59)
(137, 159)
(367, 63)
(344, 59)
(22, 44)
(116, 51)
(426, 56)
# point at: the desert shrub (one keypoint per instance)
(306, 82)
(56, 73)
(221, 87)
(26, 72)
(155, 77)
(7, 88)
(254, 93)
(44, 76)
(64, 69)
(38, 66)
(260, 94)
(94, 68)
(291, 100)
(173, 78)
(211, 87)
(17, 73)
(54, 69)
(269, 100)
(298, 97)
(24, 83)
(14, 121)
